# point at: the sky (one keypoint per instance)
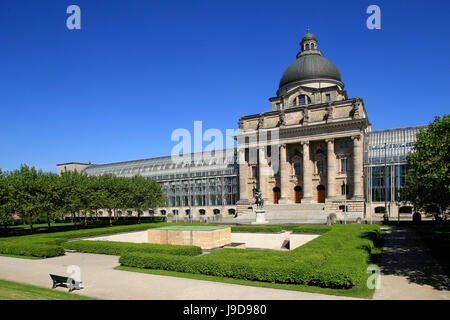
(116, 89)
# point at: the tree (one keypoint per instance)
(49, 201)
(427, 182)
(23, 194)
(5, 204)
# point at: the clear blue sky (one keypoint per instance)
(116, 89)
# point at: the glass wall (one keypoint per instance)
(203, 181)
(385, 162)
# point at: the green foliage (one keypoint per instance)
(337, 259)
(427, 182)
(118, 248)
(36, 196)
(51, 244)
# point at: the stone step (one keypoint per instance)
(294, 207)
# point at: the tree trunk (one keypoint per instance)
(139, 217)
(31, 223)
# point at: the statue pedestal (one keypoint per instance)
(260, 216)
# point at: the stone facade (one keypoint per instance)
(308, 147)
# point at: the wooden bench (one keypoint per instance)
(70, 283)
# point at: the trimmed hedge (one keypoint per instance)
(50, 243)
(118, 248)
(337, 259)
(31, 249)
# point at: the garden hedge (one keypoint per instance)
(118, 248)
(337, 259)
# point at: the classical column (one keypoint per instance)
(284, 175)
(331, 170)
(243, 178)
(307, 174)
(358, 187)
(263, 170)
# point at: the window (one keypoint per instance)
(344, 165)
(151, 212)
(307, 46)
(298, 168)
(187, 212)
(174, 211)
(301, 100)
(327, 97)
(231, 211)
(320, 166)
(344, 189)
(163, 212)
(312, 45)
(379, 210)
(254, 171)
(278, 106)
(216, 211)
(202, 212)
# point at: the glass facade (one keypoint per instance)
(206, 180)
(385, 162)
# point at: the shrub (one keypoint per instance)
(31, 249)
(118, 248)
(337, 259)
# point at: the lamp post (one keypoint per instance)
(345, 201)
(189, 188)
(385, 183)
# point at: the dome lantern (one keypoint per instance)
(309, 67)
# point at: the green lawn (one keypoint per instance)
(18, 291)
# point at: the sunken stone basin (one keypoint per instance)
(205, 237)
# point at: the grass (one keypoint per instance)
(18, 291)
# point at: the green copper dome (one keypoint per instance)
(310, 67)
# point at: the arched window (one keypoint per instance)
(163, 212)
(301, 100)
(202, 212)
(187, 211)
(307, 46)
(174, 211)
(312, 45)
(231, 211)
(151, 212)
(216, 211)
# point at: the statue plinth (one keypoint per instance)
(260, 216)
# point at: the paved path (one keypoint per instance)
(408, 270)
(100, 280)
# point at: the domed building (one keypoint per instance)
(314, 130)
(311, 156)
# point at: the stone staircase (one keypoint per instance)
(304, 213)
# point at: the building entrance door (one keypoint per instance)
(276, 195)
(298, 194)
(320, 194)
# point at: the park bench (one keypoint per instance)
(70, 283)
